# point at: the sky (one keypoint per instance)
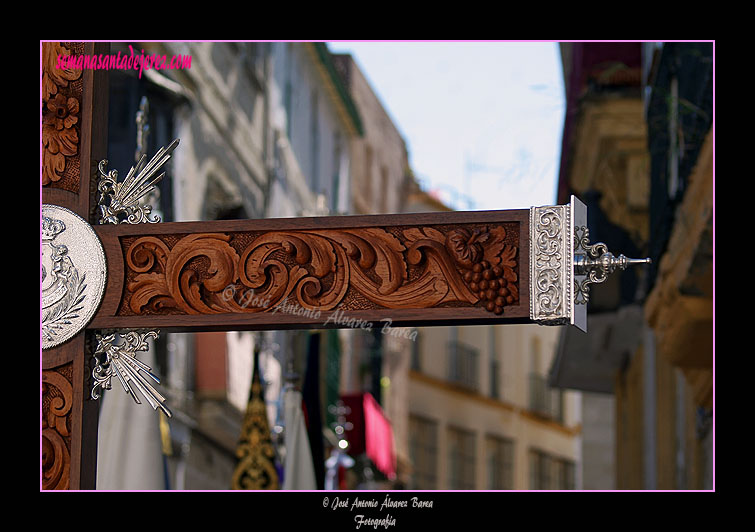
(482, 120)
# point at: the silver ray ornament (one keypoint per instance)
(119, 202)
(120, 360)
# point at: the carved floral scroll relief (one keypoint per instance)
(57, 401)
(349, 269)
(61, 105)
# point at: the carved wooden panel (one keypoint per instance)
(62, 91)
(68, 418)
(74, 137)
(339, 264)
(57, 402)
(74, 125)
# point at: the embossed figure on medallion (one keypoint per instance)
(72, 277)
(418, 267)
(62, 286)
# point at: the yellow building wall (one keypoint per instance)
(432, 396)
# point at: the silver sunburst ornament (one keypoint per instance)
(119, 202)
(120, 360)
(122, 203)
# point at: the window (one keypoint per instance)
(544, 400)
(540, 471)
(385, 190)
(495, 391)
(369, 345)
(335, 192)
(548, 472)
(129, 97)
(288, 95)
(676, 143)
(564, 475)
(416, 363)
(367, 183)
(462, 365)
(557, 404)
(538, 395)
(423, 452)
(288, 90)
(315, 139)
(461, 459)
(500, 463)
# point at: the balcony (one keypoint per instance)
(463, 365)
(544, 400)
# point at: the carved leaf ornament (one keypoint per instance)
(419, 267)
(60, 113)
(57, 400)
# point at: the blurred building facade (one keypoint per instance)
(380, 160)
(638, 150)
(288, 129)
(482, 415)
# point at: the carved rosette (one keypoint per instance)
(57, 400)
(354, 269)
(61, 106)
(551, 269)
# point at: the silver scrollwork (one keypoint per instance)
(119, 202)
(563, 264)
(549, 298)
(120, 360)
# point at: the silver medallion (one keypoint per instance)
(73, 274)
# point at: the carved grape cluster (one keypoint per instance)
(479, 255)
(489, 284)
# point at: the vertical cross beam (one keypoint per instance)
(74, 139)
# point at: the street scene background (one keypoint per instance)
(291, 129)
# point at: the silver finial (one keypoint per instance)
(596, 263)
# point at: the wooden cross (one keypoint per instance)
(386, 271)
